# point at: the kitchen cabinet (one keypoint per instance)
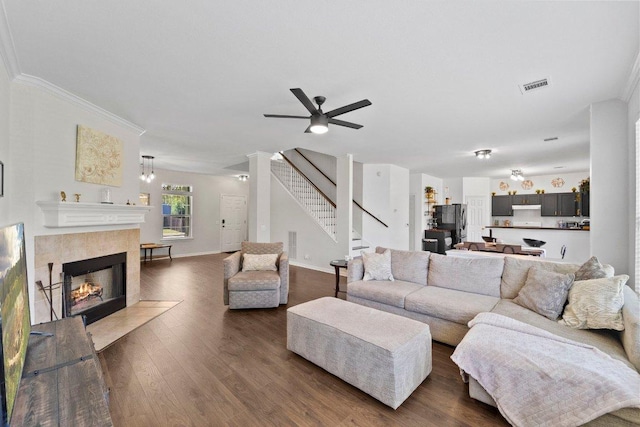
(559, 204)
(584, 203)
(525, 199)
(501, 206)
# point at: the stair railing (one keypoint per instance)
(308, 195)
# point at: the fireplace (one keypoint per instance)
(94, 287)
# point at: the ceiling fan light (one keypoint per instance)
(319, 124)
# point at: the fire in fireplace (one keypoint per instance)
(94, 287)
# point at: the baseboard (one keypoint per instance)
(329, 269)
(195, 254)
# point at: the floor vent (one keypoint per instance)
(293, 245)
(538, 84)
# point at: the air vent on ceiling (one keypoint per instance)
(538, 84)
(554, 138)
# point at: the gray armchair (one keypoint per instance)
(256, 289)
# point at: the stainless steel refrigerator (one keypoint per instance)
(452, 217)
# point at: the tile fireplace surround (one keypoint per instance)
(62, 248)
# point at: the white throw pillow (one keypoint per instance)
(596, 304)
(266, 262)
(377, 266)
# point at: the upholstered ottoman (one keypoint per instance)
(385, 355)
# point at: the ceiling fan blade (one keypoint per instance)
(345, 124)
(305, 100)
(347, 108)
(280, 116)
(308, 129)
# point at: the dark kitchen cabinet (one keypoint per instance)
(525, 199)
(584, 203)
(559, 204)
(501, 206)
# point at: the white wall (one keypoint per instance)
(207, 192)
(386, 195)
(542, 182)
(315, 249)
(454, 189)
(610, 195)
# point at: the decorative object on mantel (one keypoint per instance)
(527, 184)
(63, 196)
(504, 186)
(98, 157)
(77, 196)
(106, 196)
(557, 182)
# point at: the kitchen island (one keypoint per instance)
(576, 240)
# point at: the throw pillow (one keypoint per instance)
(596, 304)
(265, 262)
(592, 269)
(545, 292)
(377, 266)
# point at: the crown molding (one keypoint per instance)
(75, 99)
(7, 48)
(632, 81)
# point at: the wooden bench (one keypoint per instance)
(151, 246)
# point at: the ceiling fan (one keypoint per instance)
(319, 119)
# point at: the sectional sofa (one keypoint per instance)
(447, 292)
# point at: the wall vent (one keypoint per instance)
(538, 84)
(293, 245)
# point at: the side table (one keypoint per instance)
(338, 264)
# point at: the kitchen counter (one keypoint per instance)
(577, 244)
(537, 228)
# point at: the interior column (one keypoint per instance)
(344, 203)
(260, 197)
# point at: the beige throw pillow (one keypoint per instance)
(545, 292)
(596, 304)
(377, 266)
(266, 262)
(592, 269)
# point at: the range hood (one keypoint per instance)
(526, 207)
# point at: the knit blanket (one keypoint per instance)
(540, 379)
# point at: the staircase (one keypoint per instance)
(307, 195)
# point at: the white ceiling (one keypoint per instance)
(442, 76)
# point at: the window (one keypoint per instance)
(177, 203)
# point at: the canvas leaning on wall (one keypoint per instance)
(98, 157)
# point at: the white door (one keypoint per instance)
(476, 217)
(233, 222)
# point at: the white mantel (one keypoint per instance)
(79, 214)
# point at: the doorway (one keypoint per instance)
(233, 222)
(476, 217)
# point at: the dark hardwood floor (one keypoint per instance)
(201, 364)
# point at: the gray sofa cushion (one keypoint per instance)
(254, 281)
(607, 341)
(476, 275)
(449, 304)
(384, 291)
(516, 270)
(410, 266)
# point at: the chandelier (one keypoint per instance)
(146, 169)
